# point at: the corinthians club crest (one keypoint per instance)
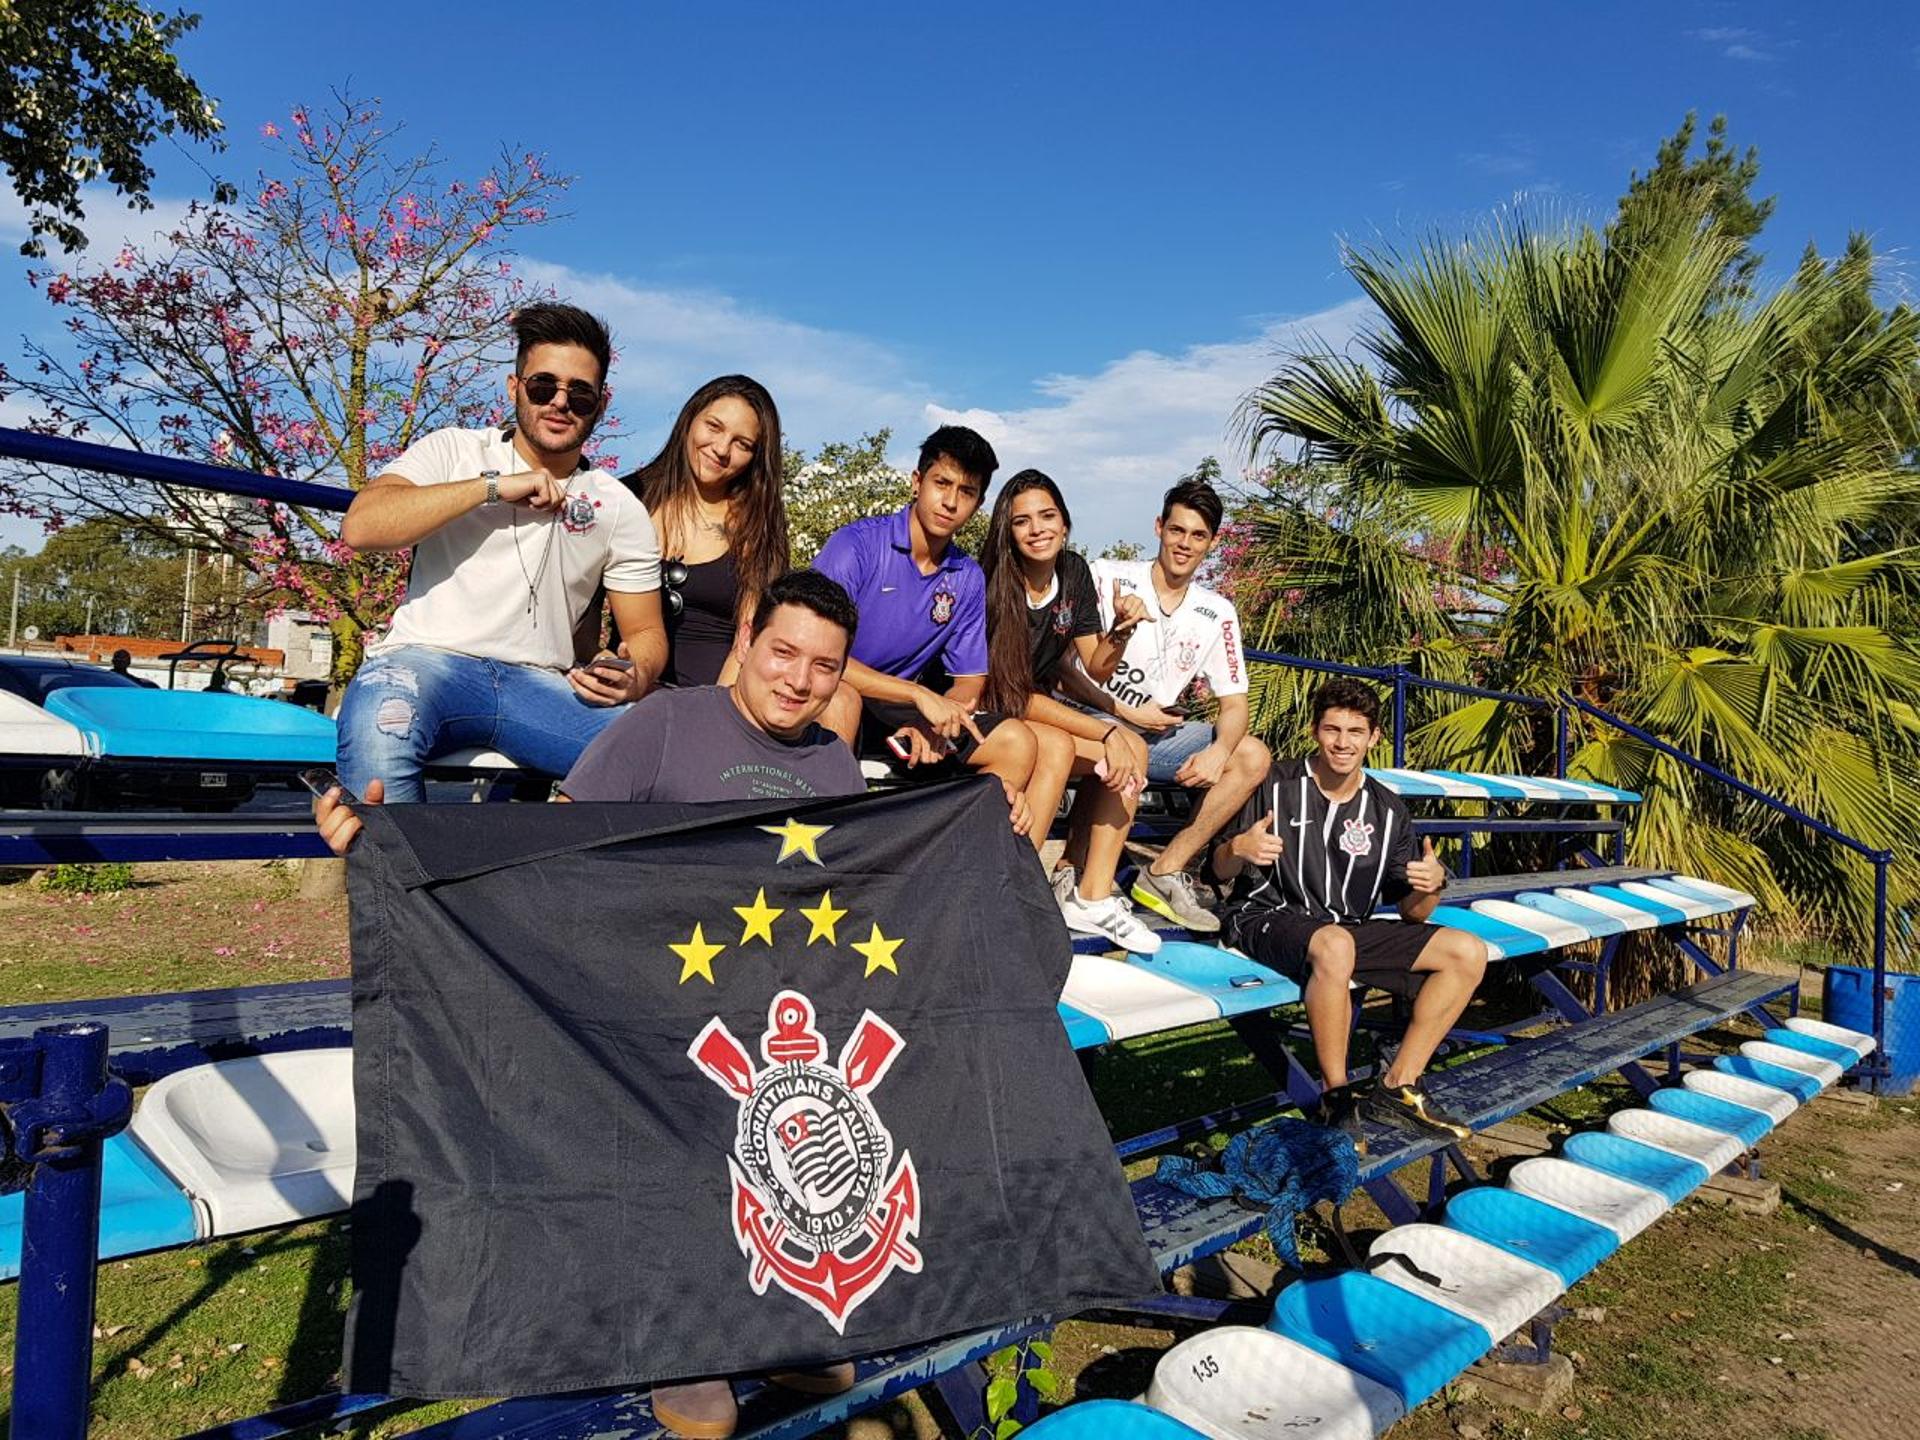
(819, 1204)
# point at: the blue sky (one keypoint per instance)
(1087, 228)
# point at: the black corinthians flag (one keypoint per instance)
(649, 1092)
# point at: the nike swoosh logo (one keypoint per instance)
(888, 589)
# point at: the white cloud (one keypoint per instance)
(1739, 43)
(109, 223)
(1116, 439)
(830, 385)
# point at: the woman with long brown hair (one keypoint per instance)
(713, 493)
(1042, 615)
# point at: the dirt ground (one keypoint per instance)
(1711, 1325)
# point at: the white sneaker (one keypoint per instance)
(1112, 918)
(1064, 882)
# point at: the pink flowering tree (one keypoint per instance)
(355, 300)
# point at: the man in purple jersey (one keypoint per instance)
(1320, 847)
(919, 664)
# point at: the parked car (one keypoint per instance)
(111, 741)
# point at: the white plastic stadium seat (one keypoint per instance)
(1620, 1205)
(1494, 1288)
(1858, 1041)
(1688, 905)
(1557, 931)
(262, 1140)
(1237, 1383)
(1714, 1149)
(1765, 1051)
(1769, 1100)
(1131, 1001)
(473, 759)
(1627, 915)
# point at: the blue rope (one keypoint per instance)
(1286, 1165)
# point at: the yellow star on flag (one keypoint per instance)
(759, 917)
(879, 952)
(823, 918)
(697, 957)
(797, 839)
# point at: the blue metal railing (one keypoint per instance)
(1877, 1065)
(60, 453)
(65, 1074)
(1402, 679)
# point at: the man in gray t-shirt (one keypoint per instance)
(706, 743)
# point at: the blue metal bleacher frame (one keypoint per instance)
(60, 1098)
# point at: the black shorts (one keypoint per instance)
(880, 718)
(1383, 950)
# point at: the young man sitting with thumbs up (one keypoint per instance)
(1318, 849)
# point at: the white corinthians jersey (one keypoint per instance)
(1165, 652)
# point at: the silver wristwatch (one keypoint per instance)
(492, 477)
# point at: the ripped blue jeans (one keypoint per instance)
(409, 705)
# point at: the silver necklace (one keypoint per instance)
(546, 553)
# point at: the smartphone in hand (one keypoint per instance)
(321, 780)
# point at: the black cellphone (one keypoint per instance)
(320, 781)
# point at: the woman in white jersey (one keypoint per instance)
(1187, 630)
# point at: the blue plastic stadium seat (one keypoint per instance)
(1502, 939)
(1411, 1345)
(1725, 897)
(1492, 786)
(1083, 1031)
(1109, 1420)
(1749, 1127)
(193, 725)
(1805, 1087)
(1532, 1229)
(1232, 981)
(1812, 1045)
(1663, 914)
(1670, 1175)
(140, 1208)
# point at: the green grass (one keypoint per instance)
(176, 927)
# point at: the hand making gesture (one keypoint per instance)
(1427, 875)
(1129, 610)
(1259, 843)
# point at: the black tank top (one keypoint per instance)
(700, 637)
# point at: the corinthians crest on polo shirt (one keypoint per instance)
(941, 610)
(820, 1206)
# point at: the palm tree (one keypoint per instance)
(1563, 463)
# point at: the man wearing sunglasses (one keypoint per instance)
(512, 534)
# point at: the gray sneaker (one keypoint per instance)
(1065, 882)
(1174, 897)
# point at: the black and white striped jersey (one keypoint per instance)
(1342, 862)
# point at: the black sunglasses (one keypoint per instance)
(673, 575)
(582, 399)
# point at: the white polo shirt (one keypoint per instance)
(505, 582)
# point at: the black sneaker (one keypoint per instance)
(1408, 1105)
(1340, 1109)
